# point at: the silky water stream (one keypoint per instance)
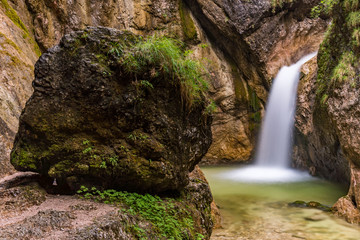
(254, 199)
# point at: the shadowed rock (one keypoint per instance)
(89, 121)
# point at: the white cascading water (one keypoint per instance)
(273, 152)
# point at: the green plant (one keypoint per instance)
(103, 165)
(210, 108)
(138, 136)
(324, 7)
(164, 55)
(353, 19)
(88, 146)
(146, 84)
(116, 49)
(168, 220)
(114, 160)
(344, 71)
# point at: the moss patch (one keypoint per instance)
(338, 57)
(24, 159)
(12, 15)
(169, 218)
(9, 42)
(187, 23)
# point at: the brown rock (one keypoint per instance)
(316, 144)
(17, 58)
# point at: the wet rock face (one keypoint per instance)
(90, 122)
(336, 108)
(259, 37)
(316, 143)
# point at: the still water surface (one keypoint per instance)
(260, 211)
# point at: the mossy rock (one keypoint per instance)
(311, 204)
(89, 120)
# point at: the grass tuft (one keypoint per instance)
(164, 55)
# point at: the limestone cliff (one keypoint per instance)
(333, 139)
(257, 38)
(316, 144)
(243, 43)
(18, 53)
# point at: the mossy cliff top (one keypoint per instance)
(338, 93)
(114, 110)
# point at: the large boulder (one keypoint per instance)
(90, 121)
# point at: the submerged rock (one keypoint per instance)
(90, 121)
(311, 204)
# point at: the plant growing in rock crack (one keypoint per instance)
(88, 146)
(138, 136)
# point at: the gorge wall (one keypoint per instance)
(329, 142)
(243, 43)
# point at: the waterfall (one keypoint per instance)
(273, 152)
(275, 138)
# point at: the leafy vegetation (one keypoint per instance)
(210, 108)
(163, 55)
(169, 221)
(338, 58)
(324, 7)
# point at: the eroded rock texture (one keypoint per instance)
(88, 121)
(243, 42)
(316, 144)
(333, 142)
(256, 39)
(18, 53)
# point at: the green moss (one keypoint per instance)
(14, 61)
(61, 169)
(12, 15)
(23, 159)
(338, 54)
(325, 7)
(345, 70)
(353, 19)
(9, 42)
(311, 204)
(187, 23)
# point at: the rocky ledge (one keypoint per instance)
(28, 212)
